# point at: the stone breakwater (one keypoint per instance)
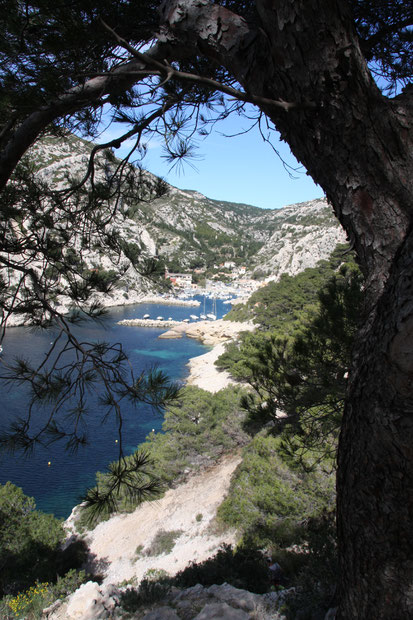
(149, 323)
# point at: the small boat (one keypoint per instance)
(213, 315)
(1, 349)
(159, 318)
(185, 321)
(194, 316)
(146, 316)
(170, 318)
(203, 316)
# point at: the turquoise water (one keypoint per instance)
(58, 487)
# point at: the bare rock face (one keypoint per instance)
(302, 235)
(162, 613)
(241, 599)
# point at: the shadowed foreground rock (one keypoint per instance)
(92, 602)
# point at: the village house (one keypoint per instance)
(183, 280)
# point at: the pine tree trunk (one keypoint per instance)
(375, 465)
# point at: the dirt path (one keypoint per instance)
(190, 508)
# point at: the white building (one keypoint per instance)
(183, 280)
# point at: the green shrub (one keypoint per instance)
(244, 568)
(200, 430)
(34, 571)
(138, 551)
(30, 603)
(153, 588)
(267, 498)
(29, 541)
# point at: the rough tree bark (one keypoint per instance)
(357, 145)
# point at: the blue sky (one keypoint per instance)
(242, 168)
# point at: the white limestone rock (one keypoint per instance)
(235, 597)
(92, 602)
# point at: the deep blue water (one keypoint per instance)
(58, 487)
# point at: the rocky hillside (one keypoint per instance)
(299, 236)
(190, 230)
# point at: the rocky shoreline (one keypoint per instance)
(202, 370)
(208, 332)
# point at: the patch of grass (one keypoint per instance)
(138, 552)
(127, 582)
(163, 542)
(199, 517)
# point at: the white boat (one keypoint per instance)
(202, 316)
(186, 321)
(146, 316)
(194, 316)
(213, 315)
(1, 349)
(170, 318)
(159, 318)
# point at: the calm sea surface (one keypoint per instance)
(58, 487)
